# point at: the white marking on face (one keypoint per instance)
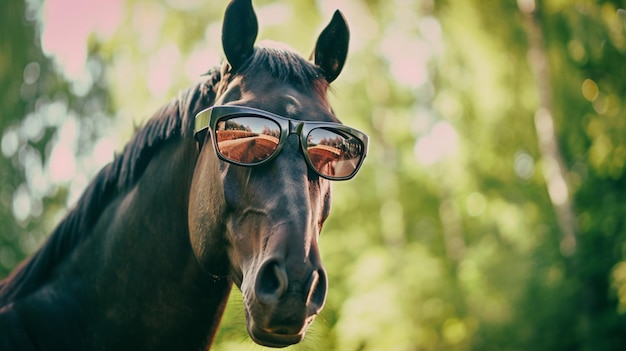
(292, 106)
(291, 109)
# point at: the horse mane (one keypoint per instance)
(172, 121)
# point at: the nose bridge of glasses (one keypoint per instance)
(295, 127)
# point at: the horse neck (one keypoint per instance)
(135, 283)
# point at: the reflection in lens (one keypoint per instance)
(334, 153)
(247, 140)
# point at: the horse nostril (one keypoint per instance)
(317, 289)
(272, 282)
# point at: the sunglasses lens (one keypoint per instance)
(333, 153)
(247, 140)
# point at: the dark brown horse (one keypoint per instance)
(228, 183)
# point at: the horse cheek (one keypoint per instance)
(206, 213)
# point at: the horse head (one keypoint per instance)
(261, 193)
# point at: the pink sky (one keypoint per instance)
(68, 23)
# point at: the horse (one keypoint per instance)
(228, 183)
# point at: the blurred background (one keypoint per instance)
(490, 213)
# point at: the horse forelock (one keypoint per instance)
(287, 66)
(172, 121)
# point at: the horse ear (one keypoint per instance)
(332, 47)
(239, 32)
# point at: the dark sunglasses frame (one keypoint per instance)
(208, 119)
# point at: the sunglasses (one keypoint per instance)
(247, 136)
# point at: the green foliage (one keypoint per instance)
(40, 111)
(448, 239)
(28, 82)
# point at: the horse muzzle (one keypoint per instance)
(282, 304)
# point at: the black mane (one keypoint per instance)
(173, 121)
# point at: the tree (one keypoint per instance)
(36, 105)
(28, 83)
